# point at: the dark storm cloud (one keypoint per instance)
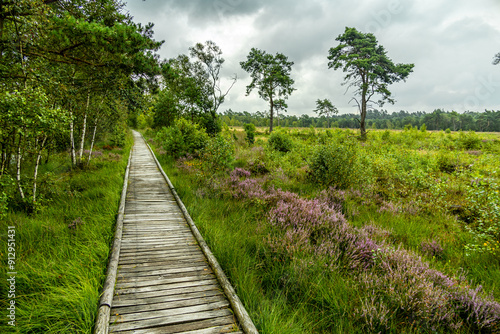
(199, 12)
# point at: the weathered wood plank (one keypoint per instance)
(182, 294)
(180, 319)
(143, 315)
(168, 305)
(135, 298)
(160, 287)
(136, 283)
(222, 323)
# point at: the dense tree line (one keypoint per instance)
(487, 121)
(69, 71)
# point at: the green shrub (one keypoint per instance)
(182, 138)
(118, 134)
(335, 164)
(423, 127)
(250, 131)
(218, 154)
(448, 130)
(280, 141)
(212, 125)
(386, 135)
(469, 141)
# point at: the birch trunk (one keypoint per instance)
(92, 142)
(18, 169)
(72, 139)
(36, 167)
(82, 141)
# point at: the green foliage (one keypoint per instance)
(63, 249)
(280, 141)
(211, 123)
(218, 154)
(484, 199)
(271, 75)
(368, 68)
(469, 141)
(182, 138)
(118, 134)
(335, 164)
(325, 108)
(423, 128)
(6, 193)
(166, 109)
(448, 130)
(250, 132)
(386, 135)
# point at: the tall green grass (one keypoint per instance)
(62, 250)
(401, 168)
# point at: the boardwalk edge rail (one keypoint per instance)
(103, 315)
(238, 308)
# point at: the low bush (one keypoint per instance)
(218, 153)
(469, 141)
(250, 131)
(335, 164)
(280, 141)
(182, 138)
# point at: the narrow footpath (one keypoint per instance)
(164, 283)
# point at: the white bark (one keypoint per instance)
(72, 138)
(82, 141)
(18, 169)
(36, 167)
(93, 140)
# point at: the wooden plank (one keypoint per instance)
(127, 277)
(158, 261)
(180, 319)
(144, 315)
(215, 330)
(167, 305)
(161, 281)
(221, 322)
(182, 294)
(135, 298)
(172, 251)
(160, 287)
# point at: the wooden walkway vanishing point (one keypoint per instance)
(162, 278)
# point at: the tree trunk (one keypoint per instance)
(92, 142)
(72, 139)
(362, 125)
(18, 169)
(82, 141)
(35, 174)
(271, 112)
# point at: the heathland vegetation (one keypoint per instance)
(321, 232)
(318, 231)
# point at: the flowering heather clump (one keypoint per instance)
(481, 313)
(373, 231)
(401, 284)
(238, 173)
(389, 207)
(431, 248)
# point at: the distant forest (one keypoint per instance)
(487, 121)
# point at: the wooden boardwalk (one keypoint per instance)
(164, 283)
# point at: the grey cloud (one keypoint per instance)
(451, 43)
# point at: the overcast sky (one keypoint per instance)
(451, 42)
